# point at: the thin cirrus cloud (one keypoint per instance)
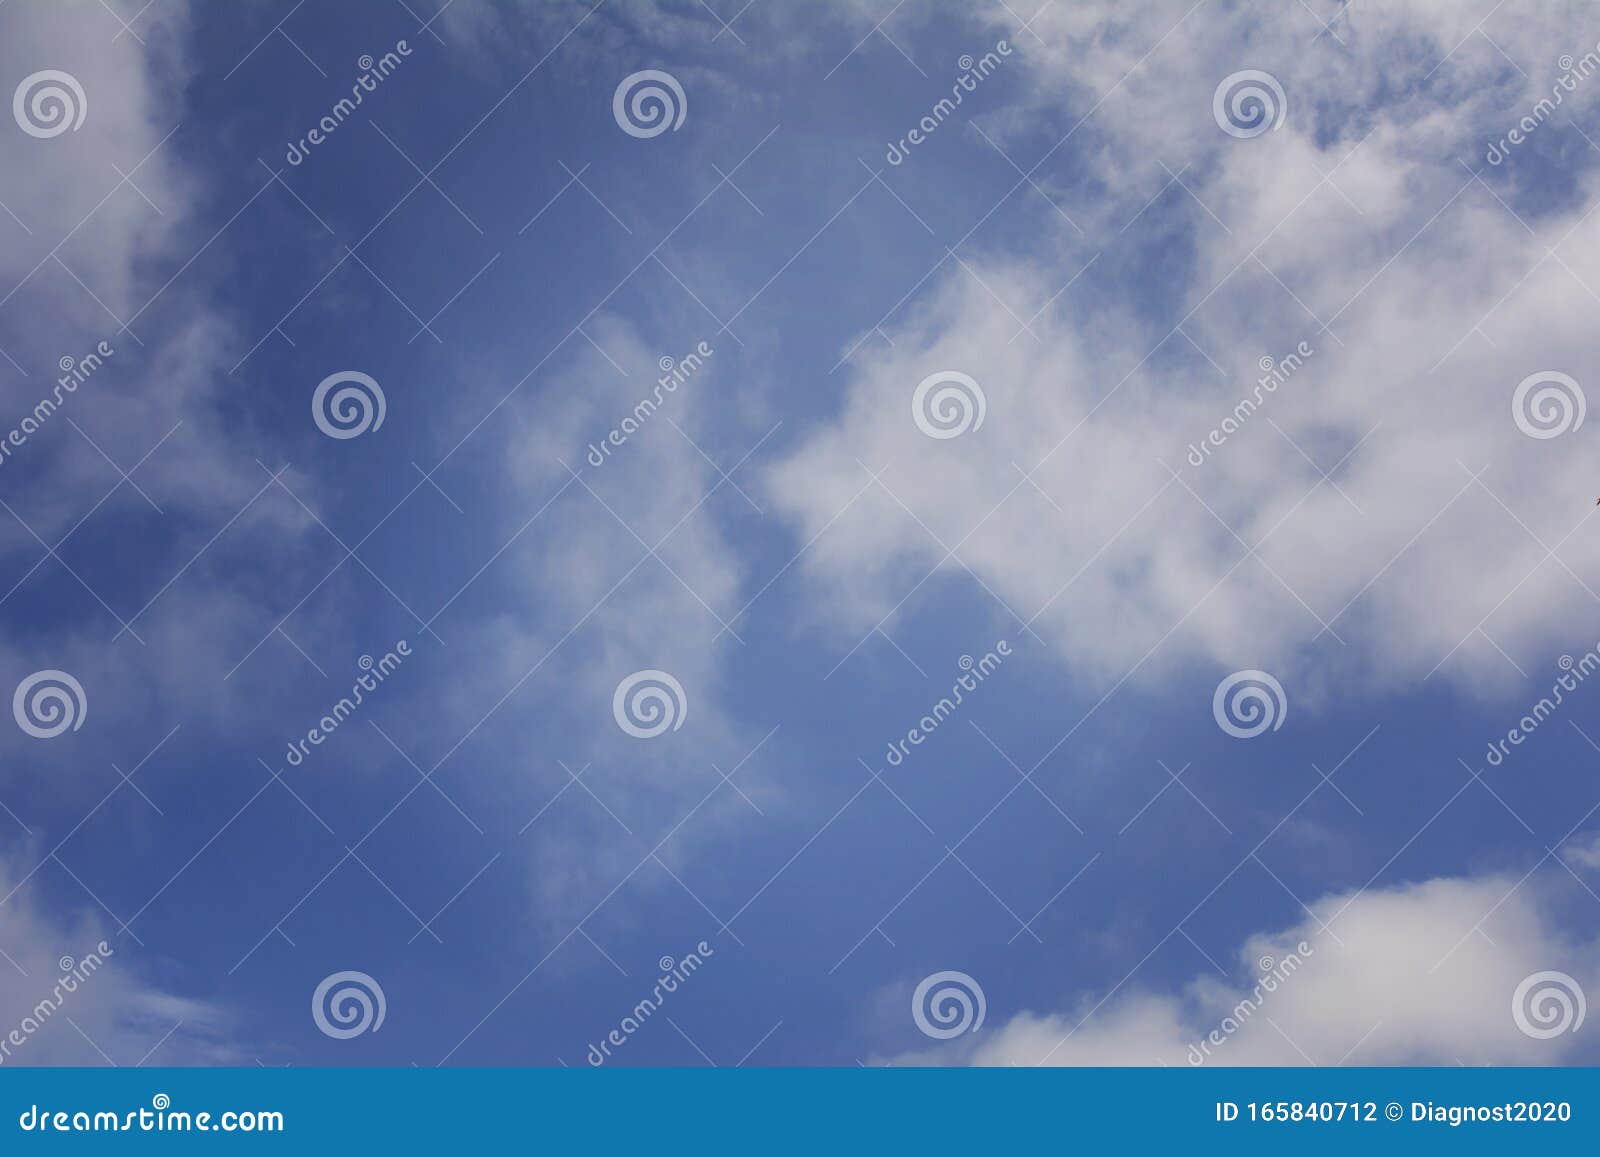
(73, 1003)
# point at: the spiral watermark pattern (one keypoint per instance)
(1248, 703)
(948, 1004)
(648, 103)
(350, 411)
(1248, 103)
(49, 103)
(1547, 1004)
(649, 703)
(48, 703)
(347, 1004)
(947, 404)
(1548, 404)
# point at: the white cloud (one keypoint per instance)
(84, 223)
(1583, 852)
(1439, 299)
(1404, 976)
(89, 251)
(585, 561)
(106, 1008)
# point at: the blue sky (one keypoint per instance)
(1084, 239)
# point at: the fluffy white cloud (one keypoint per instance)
(1421, 974)
(1440, 293)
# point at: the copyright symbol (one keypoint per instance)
(1393, 1111)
